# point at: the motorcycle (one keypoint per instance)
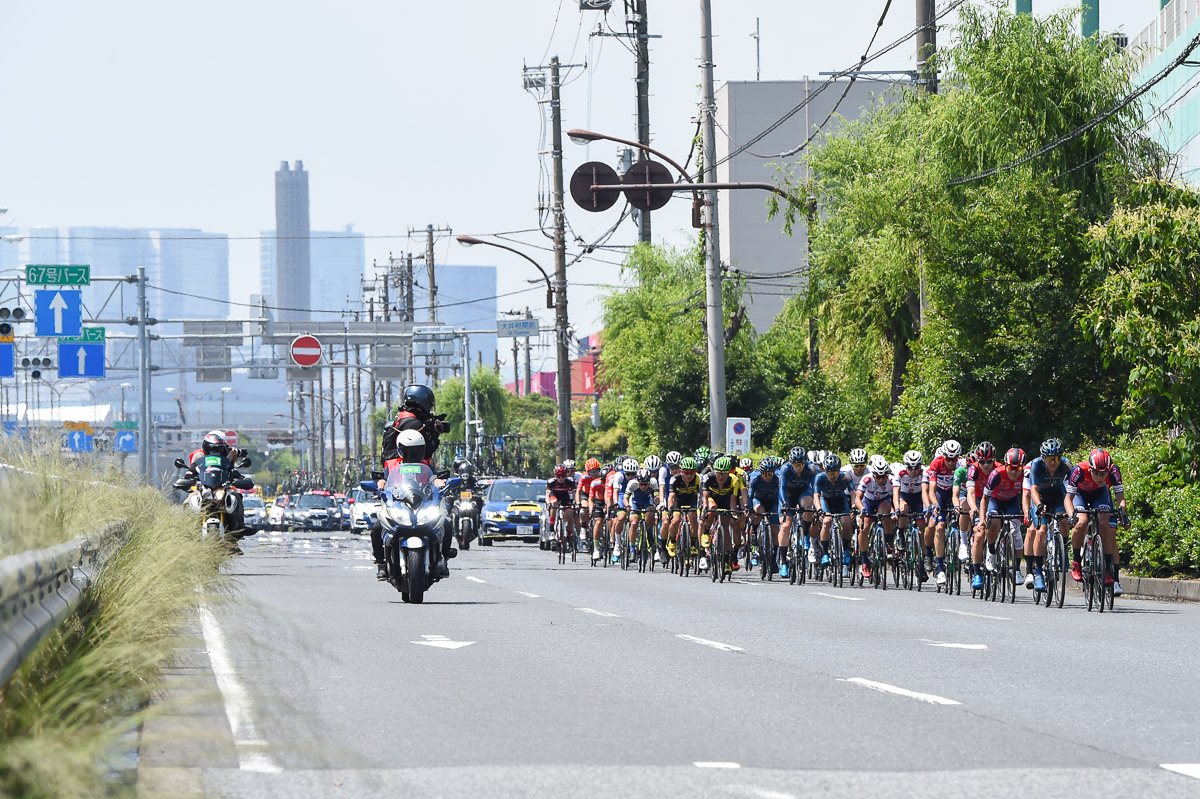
(413, 515)
(466, 513)
(211, 492)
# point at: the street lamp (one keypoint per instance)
(471, 241)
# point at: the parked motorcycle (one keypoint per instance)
(210, 486)
(413, 516)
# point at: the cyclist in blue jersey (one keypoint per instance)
(795, 491)
(628, 469)
(764, 502)
(1045, 482)
(834, 490)
(640, 496)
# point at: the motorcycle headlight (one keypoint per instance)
(219, 494)
(429, 515)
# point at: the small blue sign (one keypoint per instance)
(8, 359)
(517, 328)
(79, 441)
(499, 442)
(15, 429)
(125, 441)
(58, 313)
(80, 360)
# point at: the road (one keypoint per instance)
(520, 677)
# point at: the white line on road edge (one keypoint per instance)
(836, 596)
(599, 613)
(1186, 769)
(475, 579)
(716, 764)
(892, 689)
(713, 644)
(237, 701)
(948, 645)
(974, 615)
(531, 596)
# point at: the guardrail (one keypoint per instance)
(40, 588)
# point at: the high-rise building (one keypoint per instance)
(337, 260)
(293, 266)
(466, 300)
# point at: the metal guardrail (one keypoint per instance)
(39, 589)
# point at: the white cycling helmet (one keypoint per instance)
(652, 463)
(858, 457)
(913, 459)
(878, 465)
(951, 448)
(674, 458)
(569, 465)
(630, 465)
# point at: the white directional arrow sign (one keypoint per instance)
(441, 642)
(81, 354)
(58, 305)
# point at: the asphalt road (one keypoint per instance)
(519, 677)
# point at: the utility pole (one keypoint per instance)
(642, 80)
(409, 316)
(466, 342)
(372, 351)
(715, 315)
(927, 42)
(528, 366)
(517, 368)
(563, 387)
(757, 50)
(387, 317)
(431, 273)
(146, 421)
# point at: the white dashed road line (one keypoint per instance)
(1186, 769)
(475, 579)
(716, 764)
(713, 644)
(838, 596)
(599, 613)
(949, 645)
(892, 689)
(531, 596)
(974, 615)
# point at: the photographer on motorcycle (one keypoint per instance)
(412, 437)
(214, 444)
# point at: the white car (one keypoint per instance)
(256, 513)
(364, 508)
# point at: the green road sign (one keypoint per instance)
(58, 275)
(124, 425)
(90, 334)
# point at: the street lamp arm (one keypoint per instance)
(470, 241)
(587, 135)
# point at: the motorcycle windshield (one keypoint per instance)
(215, 472)
(411, 473)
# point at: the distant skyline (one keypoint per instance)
(138, 113)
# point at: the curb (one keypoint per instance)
(1154, 588)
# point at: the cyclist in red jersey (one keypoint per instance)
(1096, 483)
(1004, 492)
(590, 495)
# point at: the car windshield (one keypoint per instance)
(253, 502)
(315, 501)
(516, 492)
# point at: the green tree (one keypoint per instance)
(489, 403)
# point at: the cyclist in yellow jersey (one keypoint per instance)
(724, 490)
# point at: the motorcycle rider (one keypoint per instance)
(214, 443)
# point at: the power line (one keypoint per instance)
(326, 310)
(225, 237)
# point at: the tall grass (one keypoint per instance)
(91, 680)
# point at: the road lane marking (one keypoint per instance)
(713, 644)
(475, 579)
(238, 706)
(531, 596)
(974, 615)
(949, 645)
(1186, 769)
(441, 642)
(716, 764)
(599, 613)
(892, 689)
(838, 596)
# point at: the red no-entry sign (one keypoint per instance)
(306, 351)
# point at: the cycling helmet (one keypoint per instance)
(746, 463)
(878, 465)
(717, 454)
(1014, 457)
(560, 471)
(722, 464)
(1100, 460)
(951, 448)
(673, 458)
(913, 459)
(419, 397)
(985, 452)
(858, 457)
(769, 464)
(811, 455)
(652, 463)
(703, 453)
(688, 464)
(411, 446)
(1052, 448)
(569, 465)
(832, 463)
(629, 465)
(820, 456)
(643, 475)
(214, 443)
(796, 455)
(592, 465)
(468, 469)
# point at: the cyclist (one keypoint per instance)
(875, 499)
(1096, 484)
(572, 469)
(724, 491)
(1045, 479)
(559, 491)
(908, 497)
(834, 489)
(683, 497)
(938, 490)
(857, 468)
(763, 488)
(590, 495)
(666, 471)
(639, 500)
(983, 461)
(626, 473)
(795, 491)
(1003, 493)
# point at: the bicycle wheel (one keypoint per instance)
(1004, 567)
(1089, 582)
(559, 537)
(752, 540)
(1060, 569)
(1099, 571)
(715, 567)
(836, 550)
(683, 549)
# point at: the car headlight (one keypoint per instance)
(495, 516)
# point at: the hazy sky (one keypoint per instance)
(144, 113)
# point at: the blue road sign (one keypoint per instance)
(79, 441)
(80, 360)
(58, 313)
(125, 441)
(8, 360)
(15, 429)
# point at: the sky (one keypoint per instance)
(143, 113)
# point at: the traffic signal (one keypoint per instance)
(16, 314)
(37, 365)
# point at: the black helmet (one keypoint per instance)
(419, 397)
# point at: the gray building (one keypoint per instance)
(292, 256)
(749, 241)
(337, 262)
(466, 300)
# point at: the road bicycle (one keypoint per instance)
(718, 548)
(686, 560)
(1093, 566)
(954, 566)
(1054, 569)
(797, 551)
(910, 561)
(645, 548)
(839, 563)
(564, 536)
(1005, 558)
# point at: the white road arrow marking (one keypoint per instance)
(713, 644)
(948, 645)
(892, 689)
(441, 642)
(81, 354)
(58, 305)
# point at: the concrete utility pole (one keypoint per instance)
(387, 317)
(563, 382)
(517, 367)
(715, 315)
(431, 274)
(927, 42)
(145, 413)
(528, 364)
(409, 315)
(642, 79)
